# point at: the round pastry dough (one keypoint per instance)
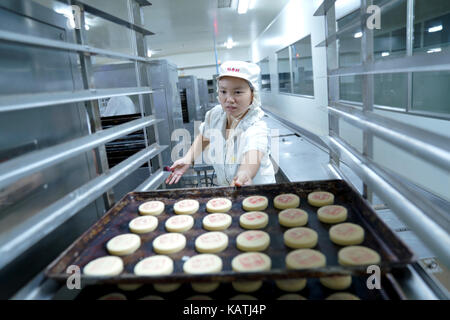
(154, 266)
(305, 259)
(205, 287)
(129, 286)
(243, 297)
(203, 263)
(152, 297)
(188, 206)
(218, 205)
(123, 244)
(247, 286)
(297, 238)
(336, 282)
(179, 223)
(285, 201)
(332, 214)
(211, 242)
(113, 296)
(143, 224)
(346, 234)
(293, 217)
(153, 208)
(253, 240)
(291, 285)
(255, 203)
(251, 261)
(320, 198)
(342, 296)
(166, 287)
(217, 221)
(169, 243)
(291, 296)
(357, 256)
(199, 297)
(254, 220)
(104, 266)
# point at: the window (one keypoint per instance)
(265, 75)
(295, 70)
(428, 90)
(284, 70)
(302, 67)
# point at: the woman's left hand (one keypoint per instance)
(242, 178)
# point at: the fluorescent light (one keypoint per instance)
(230, 43)
(243, 6)
(385, 54)
(435, 29)
(86, 26)
(358, 35)
(149, 53)
(434, 50)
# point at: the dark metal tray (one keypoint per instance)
(92, 244)
(390, 290)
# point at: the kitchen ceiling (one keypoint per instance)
(186, 26)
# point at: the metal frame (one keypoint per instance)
(29, 232)
(21, 238)
(28, 101)
(427, 220)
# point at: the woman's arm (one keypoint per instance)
(180, 166)
(251, 161)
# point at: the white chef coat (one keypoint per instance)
(251, 133)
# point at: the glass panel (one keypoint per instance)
(431, 91)
(265, 74)
(302, 67)
(431, 25)
(391, 90)
(390, 40)
(350, 88)
(284, 72)
(349, 47)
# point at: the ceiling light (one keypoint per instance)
(230, 43)
(243, 6)
(385, 54)
(86, 26)
(149, 53)
(434, 50)
(435, 29)
(358, 35)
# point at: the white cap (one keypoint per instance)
(240, 69)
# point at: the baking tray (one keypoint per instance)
(92, 244)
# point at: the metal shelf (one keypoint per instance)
(408, 206)
(24, 236)
(36, 100)
(14, 37)
(107, 16)
(17, 168)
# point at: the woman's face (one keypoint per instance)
(235, 95)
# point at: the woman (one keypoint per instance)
(234, 130)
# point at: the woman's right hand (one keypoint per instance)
(178, 168)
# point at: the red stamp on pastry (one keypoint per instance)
(254, 216)
(255, 200)
(333, 211)
(321, 196)
(216, 218)
(285, 198)
(253, 235)
(251, 261)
